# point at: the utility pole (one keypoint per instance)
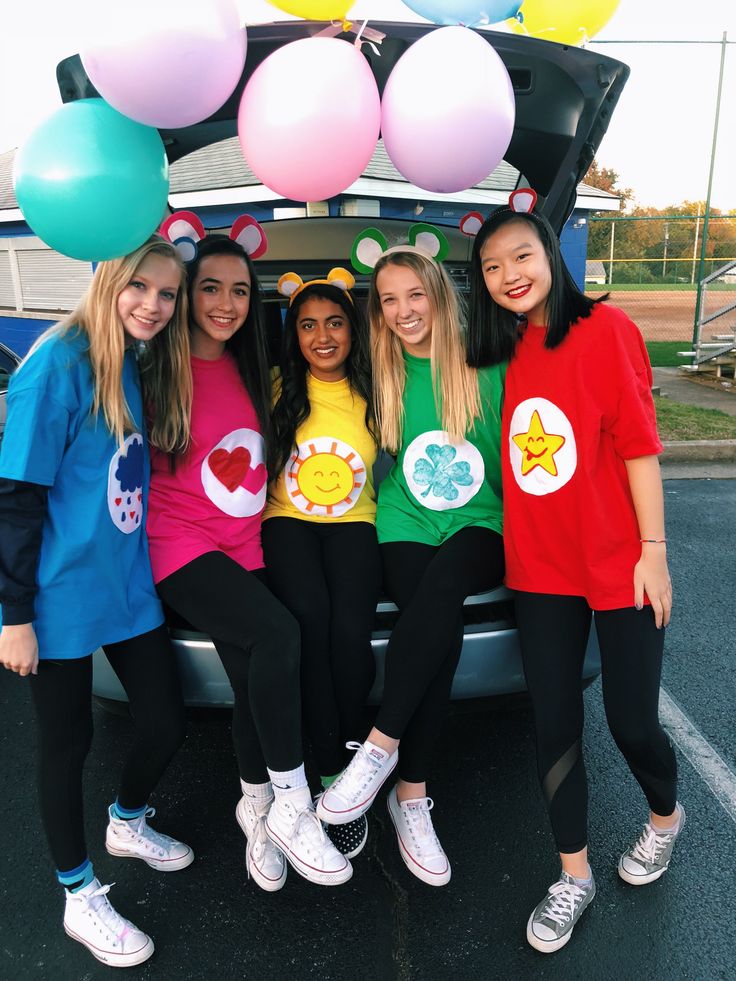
(701, 267)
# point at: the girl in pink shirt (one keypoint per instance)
(204, 530)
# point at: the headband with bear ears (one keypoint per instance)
(521, 202)
(290, 284)
(371, 245)
(184, 230)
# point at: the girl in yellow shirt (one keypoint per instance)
(319, 537)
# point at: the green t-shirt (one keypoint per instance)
(436, 487)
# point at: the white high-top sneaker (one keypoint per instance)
(264, 860)
(293, 825)
(90, 918)
(136, 839)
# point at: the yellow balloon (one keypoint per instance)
(564, 21)
(315, 9)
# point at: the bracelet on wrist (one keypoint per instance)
(653, 541)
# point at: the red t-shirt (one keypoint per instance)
(571, 417)
(214, 499)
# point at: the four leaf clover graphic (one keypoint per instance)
(441, 474)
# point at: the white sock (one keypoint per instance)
(583, 882)
(288, 779)
(668, 831)
(259, 792)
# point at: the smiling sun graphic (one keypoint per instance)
(325, 477)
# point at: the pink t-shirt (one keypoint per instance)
(214, 498)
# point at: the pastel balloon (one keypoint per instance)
(163, 62)
(572, 22)
(309, 118)
(315, 9)
(448, 110)
(471, 13)
(90, 182)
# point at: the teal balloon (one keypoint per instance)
(92, 183)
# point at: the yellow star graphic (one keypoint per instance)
(538, 447)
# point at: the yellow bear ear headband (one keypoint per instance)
(291, 285)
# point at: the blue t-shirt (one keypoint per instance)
(94, 576)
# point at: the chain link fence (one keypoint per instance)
(651, 267)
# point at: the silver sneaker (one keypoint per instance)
(649, 857)
(263, 860)
(355, 789)
(551, 924)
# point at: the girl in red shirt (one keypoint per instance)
(583, 530)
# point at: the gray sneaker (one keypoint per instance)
(649, 857)
(551, 924)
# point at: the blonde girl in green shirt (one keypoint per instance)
(439, 526)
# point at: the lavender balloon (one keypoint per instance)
(448, 111)
(163, 62)
(471, 13)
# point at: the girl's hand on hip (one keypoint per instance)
(19, 648)
(651, 576)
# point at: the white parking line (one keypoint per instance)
(707, 763)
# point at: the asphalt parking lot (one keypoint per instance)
(210, 921)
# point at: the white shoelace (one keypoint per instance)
(421, 828)
(564, 897)
(650, 844)
(106, 912)
(149, 835)
(309, 827)
(358, 773)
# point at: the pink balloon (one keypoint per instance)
(309, 118)
(448, 111)
(166, 63)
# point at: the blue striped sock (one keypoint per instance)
(126, 814)
(78, 878)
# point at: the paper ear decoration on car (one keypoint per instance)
(371, 245)
(184, 230)
(291, 284)
(246, 231)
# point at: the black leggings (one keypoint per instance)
(258, 643)
(62, 698)
(553, 631)
(329, 577)
(429, 584)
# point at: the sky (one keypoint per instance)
(659, 140)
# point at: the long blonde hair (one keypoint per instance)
(455, 385)
(165, 367)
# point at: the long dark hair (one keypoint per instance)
(248, 346)
(292, 406)
(493, 331)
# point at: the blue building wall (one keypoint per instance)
(574, 246)
(18, 333)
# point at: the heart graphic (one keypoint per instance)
(233, 469)
(118, 500)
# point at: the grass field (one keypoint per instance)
(678, 421)
(663, 354)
